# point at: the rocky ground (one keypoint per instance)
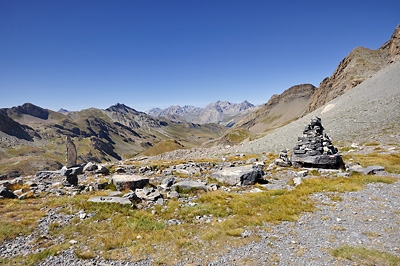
(367, 218)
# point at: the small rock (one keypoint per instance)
(167, 182)
(173, 195)
(89, 167)
(297, 181)
(302, 173)
(6, 193)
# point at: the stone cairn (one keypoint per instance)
(315, 149)
(283, 159)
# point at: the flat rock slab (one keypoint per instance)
(238, 176)
(373, 169)
(103, 199)
(131, 182)
(187, 185)
(367, 170)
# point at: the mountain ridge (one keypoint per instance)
(36, 134)
(221, 112)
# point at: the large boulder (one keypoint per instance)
(238, 176)
(131, 182)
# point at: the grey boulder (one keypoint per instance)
(238, 176)
(131, 182)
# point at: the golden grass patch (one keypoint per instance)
(363, 256)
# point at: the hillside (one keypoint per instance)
(33, 138)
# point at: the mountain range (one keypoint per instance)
(223, 113)
(33, 138)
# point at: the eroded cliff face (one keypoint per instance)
(359, 65)
(393, 45)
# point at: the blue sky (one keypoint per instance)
(77, 54)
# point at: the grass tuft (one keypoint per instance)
(366, 256)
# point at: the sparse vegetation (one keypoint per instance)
(115, 228)
(238, 135)
(390, 161)
(364, 256)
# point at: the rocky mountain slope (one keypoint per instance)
(359, 65)
(33, 138)
(368, 113)
(223, 113)
(299, 100)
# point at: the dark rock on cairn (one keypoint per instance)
(315, 149)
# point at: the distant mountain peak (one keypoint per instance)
(62, 111)
(120, 107)
(219, 112)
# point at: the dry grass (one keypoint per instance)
(363, 256)
(163, 146)
(116, 230)
(19, 217)
(390, 161)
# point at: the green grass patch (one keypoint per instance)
(365, 256)
(390, 161)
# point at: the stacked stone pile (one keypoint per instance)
(314, 148)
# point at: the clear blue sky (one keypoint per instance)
(78, 54)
